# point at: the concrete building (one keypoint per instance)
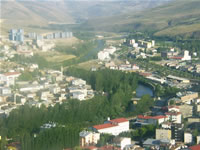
(166, 125)
(121, 142)
(103, 56)
(187, 97)
(78, 82)
(186, 56)
(163, 134)
(114, 127)
(32, 35)
(168, 54)
(174, 117)
(173, 109)
(16, 35)
(145, 44)
(186, 110)
(5, 91)
(177, 132)
(178, 79)
(88, 138)
(151, 119)
(198, 139)
(153, 43)
(9, 78)
(187, 138)
(79, 95)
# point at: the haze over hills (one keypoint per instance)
(18, 13)
(179, 17)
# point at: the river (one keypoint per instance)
(143, 90)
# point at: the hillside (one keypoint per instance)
(179, 17)
(30, 13)
(18, 13)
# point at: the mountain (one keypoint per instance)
(19, 13)
(178, 17)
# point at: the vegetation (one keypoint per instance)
(147, 131)
(28, 76)
(163, 70)
(36, 59)
(178, 18)
(114, 92)
(84, 52)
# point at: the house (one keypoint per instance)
(78, 82)
(114, 127)
(122, 142)
(78, 95)
(151, 119)
(174, 116)
(88, 138)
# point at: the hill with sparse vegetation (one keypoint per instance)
(179, 17)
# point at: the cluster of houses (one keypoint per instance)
(142, 48)
(171, 133)
(79, 90)
(175, 125)
(50, 88)
(182, 66)
(123, 67)
(175, 55)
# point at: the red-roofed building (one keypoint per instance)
(12, 74)
(109, 147)
(176, 57)
(173, 109)
(152, 119)
(196, 147)
(114, 127)
(90, 147)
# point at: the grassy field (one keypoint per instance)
(88, 64)
(67, 42)
(55, 56)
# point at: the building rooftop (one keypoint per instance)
(119, 120)
(11, 73)
(196, 147)
(151, 117)
(173, 113)
(110, 123)
(103, 126)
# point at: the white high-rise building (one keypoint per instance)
(153, 43)
(187, 138)
(186, 55)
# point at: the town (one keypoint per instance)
(172, 123)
